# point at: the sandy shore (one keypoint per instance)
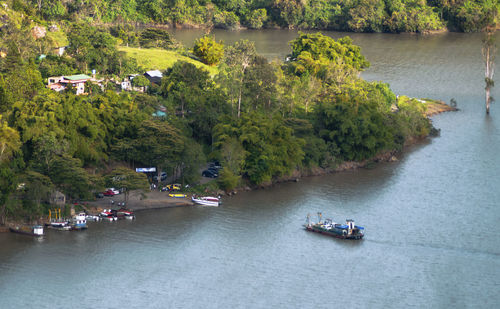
(140, 201)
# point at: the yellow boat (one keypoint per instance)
(178, 195)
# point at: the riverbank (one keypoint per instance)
(138, 201)
(433, 107)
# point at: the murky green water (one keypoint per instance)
(431, 218)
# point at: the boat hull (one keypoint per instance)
(335, 234)
(25, 232)
(204, 202)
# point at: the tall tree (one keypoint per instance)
(239, 57)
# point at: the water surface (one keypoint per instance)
(431, 218)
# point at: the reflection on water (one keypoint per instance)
(431, 237)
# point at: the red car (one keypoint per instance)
(108, 193)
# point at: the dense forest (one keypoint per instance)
(262, 121)
(349, 15)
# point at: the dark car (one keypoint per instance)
(214, 165)
(163, 177)
(210, 173)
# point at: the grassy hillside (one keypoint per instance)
(161, 59)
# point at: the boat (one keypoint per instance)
(125, 213)
(36, 230)
(92, 218)
(58, 223)
(177, 195)
(206, 200)
(339, 230)
(79, 222)
(108, 215)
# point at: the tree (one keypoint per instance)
(208, 50)
(140, 81)
(9, 141)
(489, 52)
(48, 148)
(238, 58)
(37, 189)
(7, 186)
(157, 38)
(69, 176)
(159, 144)
(128, 180)
(315, 50)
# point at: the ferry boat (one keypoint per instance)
(206, 200)
(79, 222)
(339, 230)
(36, 230)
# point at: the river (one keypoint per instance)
(432, 237)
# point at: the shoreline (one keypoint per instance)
(140, 201)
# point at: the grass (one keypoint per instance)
(59, 37)
(160, 59)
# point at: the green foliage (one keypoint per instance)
(93, 48)
(9, 141)
(312, 53)
(70, 178)
(208, 50)
(127, 179)
(343, 15)
(257, 18)
(354, 125)
(140, 81)
(227, 180)
(155, 38)
(226, 20)
(270, 148)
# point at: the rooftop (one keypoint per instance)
(77, 77)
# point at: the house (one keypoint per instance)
(154, 76)
(126, 84)
(59, 83)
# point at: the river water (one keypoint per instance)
(432, 218)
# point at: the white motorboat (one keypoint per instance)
(206, 200)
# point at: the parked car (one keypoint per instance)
(210, 173)
(163, 177)
(108, 193)
(115, 191)
(172, 187)
(99, 195)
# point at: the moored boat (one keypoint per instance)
(108, 215)
(339, 230)
(36, 230)
(206, 200)
(125, 213)
(79, 222)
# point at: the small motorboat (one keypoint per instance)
(125, 213)
(92, 218)
(206, 200)
(108, 215)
